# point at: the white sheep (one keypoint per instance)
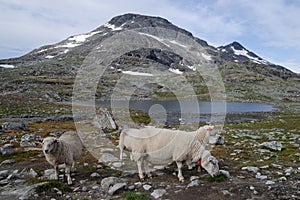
(203, 134)
(63, 150)
(163, 146)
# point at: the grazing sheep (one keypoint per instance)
(63, 150)
(203, 134)
(162, 146)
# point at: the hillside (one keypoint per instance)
(48, 73)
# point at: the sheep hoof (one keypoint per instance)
(181, 180)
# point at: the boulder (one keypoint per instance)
(216, 139)
(13, 126)
(115, 188)
(274, 145)
(158, 193)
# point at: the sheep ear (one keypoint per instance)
(208, 127)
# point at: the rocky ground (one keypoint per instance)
(262, 158)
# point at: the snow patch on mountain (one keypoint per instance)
(156, 38)
(207, 57)
(49, 57)
(113, 27)
(177, 43)
(77, 40)
(136, 73)
(7, 66)
(175, 71)
(245, 53)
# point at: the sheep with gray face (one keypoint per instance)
(63, 150)
(163, 146)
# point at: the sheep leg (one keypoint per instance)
(140, 168)
(68, 170)
(147, 169)
(56, 172)
(179, 165)
(121, 154)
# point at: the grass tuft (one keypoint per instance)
(219, 178)
(47, 187)
(134, 196)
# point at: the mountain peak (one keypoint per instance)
(236, 46)
(131, 20)
(237, 53)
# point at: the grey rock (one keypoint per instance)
(5, 151)
(274, 145)
(131, 187)
(25, 143)
(7, 146)
(147, 187)
(22, 193)
(251, 169)
(95, 174)
(194, 178)
(95, 187)
(7, 162)
(108, 182)
(4, 174)
(158, 193)
(27, 173)
(84, 189)
(224, 172)
(108, 158)
(216, 140)
(115, 188)
(49, 174)
(270, 183)
(261, 177)
(13, 126)
(194, 183)
(28, 137)
(283, 178)
(289, 170)
(276, 166)
(117, 164)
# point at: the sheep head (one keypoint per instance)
(49, 144)
(210, 164)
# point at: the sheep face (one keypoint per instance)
(211, 166)
(49, 144)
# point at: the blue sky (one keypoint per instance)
(269, 28)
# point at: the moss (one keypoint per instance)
(134, 196)
(140, 117)
(219, 178)
(47, 187)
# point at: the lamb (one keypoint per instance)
(163, 146)
(63, 150)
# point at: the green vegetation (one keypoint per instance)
(219, 178)
(140, 117)
(47, 187)
(21, 107)
(134, 196)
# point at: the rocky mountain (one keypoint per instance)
(49, 72)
